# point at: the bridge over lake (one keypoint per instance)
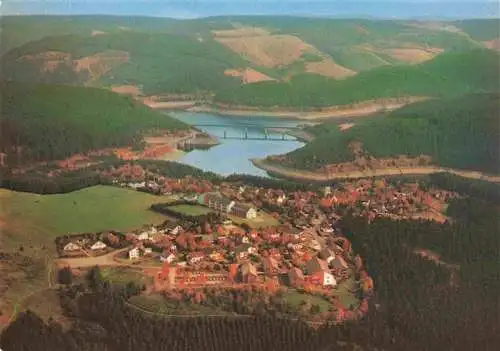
(272, 133)
(245, 125)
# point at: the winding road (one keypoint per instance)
(299, 174)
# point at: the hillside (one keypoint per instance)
(155, 62)
(208, 55)
(45, 122)
(449, 74)
(365, 44)
(458, 133)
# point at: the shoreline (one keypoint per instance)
(360, 109)
(304, 175)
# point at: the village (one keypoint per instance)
(231, 235)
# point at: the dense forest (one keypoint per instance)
(449, 74)
(450, 304)
(47, 122)
(458, 132)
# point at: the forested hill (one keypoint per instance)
(459, 133)
(449, 74)
(253, 60)
(49, 122)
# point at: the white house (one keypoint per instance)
(98, 245)
(143, 236)
(176, 230)
(137, 185)
(281, 199)
(328, 279)
(327, 190)
(252, 250)
(71, 247)
(148, 251)
(251, 213)
(134, 253)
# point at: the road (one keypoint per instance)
(300, 174)
(85, 262)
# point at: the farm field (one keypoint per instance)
(263, 219)
(31, 222)
(123, 275)
(31, 218)
(190, 210)
(344, 291)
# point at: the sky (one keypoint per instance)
(429, 9)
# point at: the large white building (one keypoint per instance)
(222, 204)
(98, 245)
(135, 253)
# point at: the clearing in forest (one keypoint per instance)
(413, 55)
(132, 90)
(268, 50)
(329, 68)
(248, 75)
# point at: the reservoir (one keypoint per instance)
(233, 154)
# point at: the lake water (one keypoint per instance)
(233, 156)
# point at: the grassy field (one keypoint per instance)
(124, 275)
(190, 210)
(295, 298)
(33, 219)
(344, 290)
(263, 219)
(31, 222)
